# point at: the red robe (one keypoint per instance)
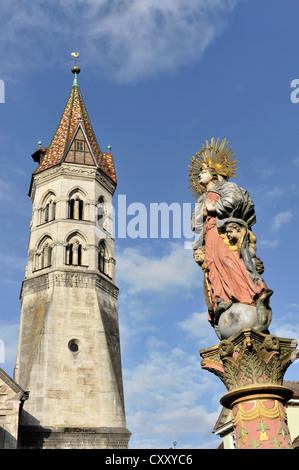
(227, 276)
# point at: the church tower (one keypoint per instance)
(68, 355)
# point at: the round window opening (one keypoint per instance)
(73, 345)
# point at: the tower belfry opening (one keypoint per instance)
(69, 358)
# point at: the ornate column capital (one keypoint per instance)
(250, 357)
(252, 365)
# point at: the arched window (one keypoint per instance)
(76, 205)
(74, 251)
(47, 209)
(102, 258)
(43, 255)
(104, 215)
(75, 209)
(100, 209)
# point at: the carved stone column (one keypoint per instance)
(252, 365)
(76, 208)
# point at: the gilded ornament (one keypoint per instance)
(216, 155)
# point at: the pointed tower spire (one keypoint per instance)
(74, 116)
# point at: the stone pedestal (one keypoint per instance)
(37, 437)
(252, 366)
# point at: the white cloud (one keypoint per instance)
(274, 193)
(269, 243)
(153, 36)
(296, 161)
(266, 172)
(197, 326)
(150, 285)
(280, 219)
(8, 338)
(153, 431)
(128, 39)
(174, 272)
(287, 326)
(135, 322)
(287, 330)
(167, 390)
(276, 224)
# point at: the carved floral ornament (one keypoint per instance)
(255, 359)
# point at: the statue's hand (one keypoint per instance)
(210, 206)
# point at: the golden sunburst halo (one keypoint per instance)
(216, 155)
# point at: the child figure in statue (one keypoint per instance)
(235, 293)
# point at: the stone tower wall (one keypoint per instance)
(69, 349)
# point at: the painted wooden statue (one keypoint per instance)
(236, 295)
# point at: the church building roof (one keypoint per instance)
(74, 117)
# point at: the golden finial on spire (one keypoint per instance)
(75, 69)
(75, 55)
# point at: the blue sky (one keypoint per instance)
(159, 78)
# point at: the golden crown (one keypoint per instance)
(216, 155)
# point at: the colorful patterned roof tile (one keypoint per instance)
(75, 112)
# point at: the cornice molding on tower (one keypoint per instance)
(76, 277)
(71, 170)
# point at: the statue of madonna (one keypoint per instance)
(236, 295)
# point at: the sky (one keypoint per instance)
(158, 78)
